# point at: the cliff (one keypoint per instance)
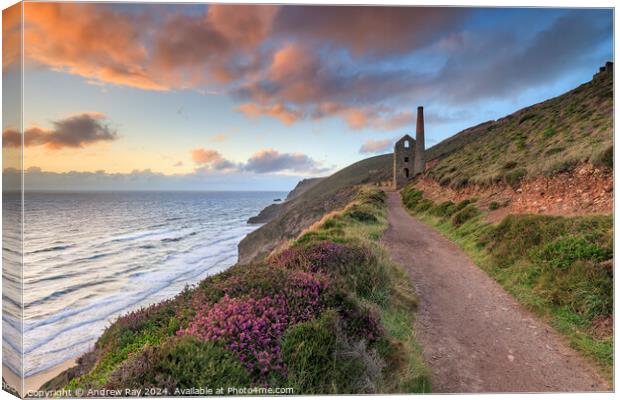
(271, 211)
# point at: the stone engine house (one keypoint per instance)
(409, 158)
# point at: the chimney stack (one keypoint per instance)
(420, 162)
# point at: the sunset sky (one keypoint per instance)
(255, 97)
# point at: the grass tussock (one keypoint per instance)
(558, 267)
(327, 314)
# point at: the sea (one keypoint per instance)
(90, 257)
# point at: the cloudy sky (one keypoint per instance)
(255, 97)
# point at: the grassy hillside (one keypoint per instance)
(542, 139)
(560, 268)
(328, 314)
(300, 212)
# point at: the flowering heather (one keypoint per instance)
(252, 326)
(323, 256)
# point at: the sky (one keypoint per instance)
(256, 97)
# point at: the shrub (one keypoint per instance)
(309, 351)
(462, 204)
(513, 178)
(494, 205)
(411, 197)
(459, 183)
(424, 205)
(127, 327)
(320, 359)
(563, 252)
(526, 117)
(562, 166)
(374, 197)
(353, 267)
(180, 362)
(444, 209)
(510, 165)
(549, 132)
(554, 150)
(333, 222)
(604, 158)
(465, 215)
(362, 216)
(445, 181)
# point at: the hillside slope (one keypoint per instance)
(303, 210)
(544, 139)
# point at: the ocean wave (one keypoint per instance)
(53, 248)
(120, 304)
(139, 235)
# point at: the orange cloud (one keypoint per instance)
(287, 115)
(103, 44)
(290, 62)
(378, 118)
(205, 156)
(192, 49)
(376, 146)
(211, 160)
(11, 34)
(218, 138)
(90, 40)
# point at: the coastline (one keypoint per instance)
(34, 382)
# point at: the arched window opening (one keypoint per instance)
(406, 172)
(406, 144)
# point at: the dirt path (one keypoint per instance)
(475, 336)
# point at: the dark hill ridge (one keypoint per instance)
(544, 139)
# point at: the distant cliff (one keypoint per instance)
(302, 187)
(271, 211)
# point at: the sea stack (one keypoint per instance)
(420, 161)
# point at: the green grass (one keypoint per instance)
(557, 267)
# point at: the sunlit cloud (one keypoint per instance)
(376, 146)
(285, 114)
(75, 132)
(211, 160)
(218, 138)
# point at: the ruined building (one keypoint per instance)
(409, 157)
(608, 68)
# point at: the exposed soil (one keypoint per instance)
(475, 337)
(584, 190)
